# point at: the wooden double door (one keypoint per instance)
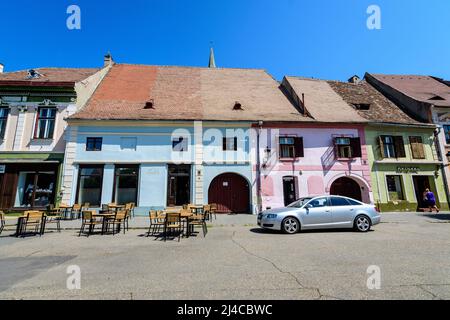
(231, 193)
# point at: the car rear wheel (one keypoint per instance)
(362, 223)
(290, 225)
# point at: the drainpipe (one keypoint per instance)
(258, 168)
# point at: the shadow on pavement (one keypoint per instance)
(267, 231)
(438, 216)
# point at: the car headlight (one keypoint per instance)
(271, 216)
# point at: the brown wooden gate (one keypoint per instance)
(231, 193)
(346, 187)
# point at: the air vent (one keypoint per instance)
(437, 98)
(149, 104)
(238, 106)
(361, 106)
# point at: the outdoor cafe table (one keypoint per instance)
(65, 210)
(196, 208)
(104, 217)
(116, 207)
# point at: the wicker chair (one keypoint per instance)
(89, 220)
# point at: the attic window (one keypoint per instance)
(362, 106)
(437, 98)
(33, 74)
(149, 105)
(238, 106)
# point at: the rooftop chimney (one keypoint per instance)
(2, 67)
(108, 60)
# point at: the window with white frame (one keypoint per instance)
(45, 123)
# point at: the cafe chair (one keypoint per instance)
(2, 221)
(33, 219)
(156, 224)
(173, 225)
(54, 216)
(88, 220)
(117, 221)
(213, 210)
(75, 213)
(198, 220)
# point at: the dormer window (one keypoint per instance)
(362, 106)
(149, 104)
(33, 74)
(238, 106)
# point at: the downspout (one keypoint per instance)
(258, 168)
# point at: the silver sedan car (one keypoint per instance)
(322, 212)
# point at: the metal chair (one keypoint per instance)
(75, 212)
(2, 221)
(34, 219)
(54, 216)
(119, 219)
(198, 220)
(213, 210)
(155, 223)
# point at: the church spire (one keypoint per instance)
(212, 60)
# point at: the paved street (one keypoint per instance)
(235, 261)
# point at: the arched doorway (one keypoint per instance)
(346, 187)
(231, 193)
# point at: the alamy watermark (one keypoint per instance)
(73, 22)
(374, 19)
(73, 281)
(374, 279)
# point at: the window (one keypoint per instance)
(128, 144)
(395, 188)
(318, 203)
(417, 147)
(35, 189)
(447, 133)
(339, 202)
(230, 144)
(45, 123)
(90, 185)
(3, 120)
(392, 147)
(291, 147)
(180, 144)
(347, 147)
(126, 184)
(354, 202)
(94, 144)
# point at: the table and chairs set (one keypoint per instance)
(113, 218)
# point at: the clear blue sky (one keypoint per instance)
(314, 38)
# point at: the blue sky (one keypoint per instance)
(313, 38)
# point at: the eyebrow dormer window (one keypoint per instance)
(45, 123)
(4, 112)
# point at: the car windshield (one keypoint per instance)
(299, 203)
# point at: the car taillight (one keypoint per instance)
(377, 209)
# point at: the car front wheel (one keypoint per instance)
(362, 223)
(290, 225)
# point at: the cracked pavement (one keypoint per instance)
(236, 260)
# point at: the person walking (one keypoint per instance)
(431, 200)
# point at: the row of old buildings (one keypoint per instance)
(163, 136)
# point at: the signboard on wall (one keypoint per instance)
(408, 170)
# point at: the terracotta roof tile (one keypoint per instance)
(67, 75)
(188, 93)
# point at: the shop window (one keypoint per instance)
(180, 144)
(35, 189)
(126, 184)
(417, 149)
(94, 144)
(395, 188)
(90, 185)
(229, 144)
(392, 147)
(45, 123)
(347, 147)
(291, 147)
(4, 112)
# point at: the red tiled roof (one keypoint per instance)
(47, 76)
(421, 88)
(187, 93)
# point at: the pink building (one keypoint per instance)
(326, 155)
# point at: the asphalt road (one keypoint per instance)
(236, 260)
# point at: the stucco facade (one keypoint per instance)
(317, 170)
(412, 175)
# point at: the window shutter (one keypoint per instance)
(235, 143)
(355, 143)
(399, 147)
(335, 147)
(299, 149)
(417, 149)
(381, 145)
(224, 144)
